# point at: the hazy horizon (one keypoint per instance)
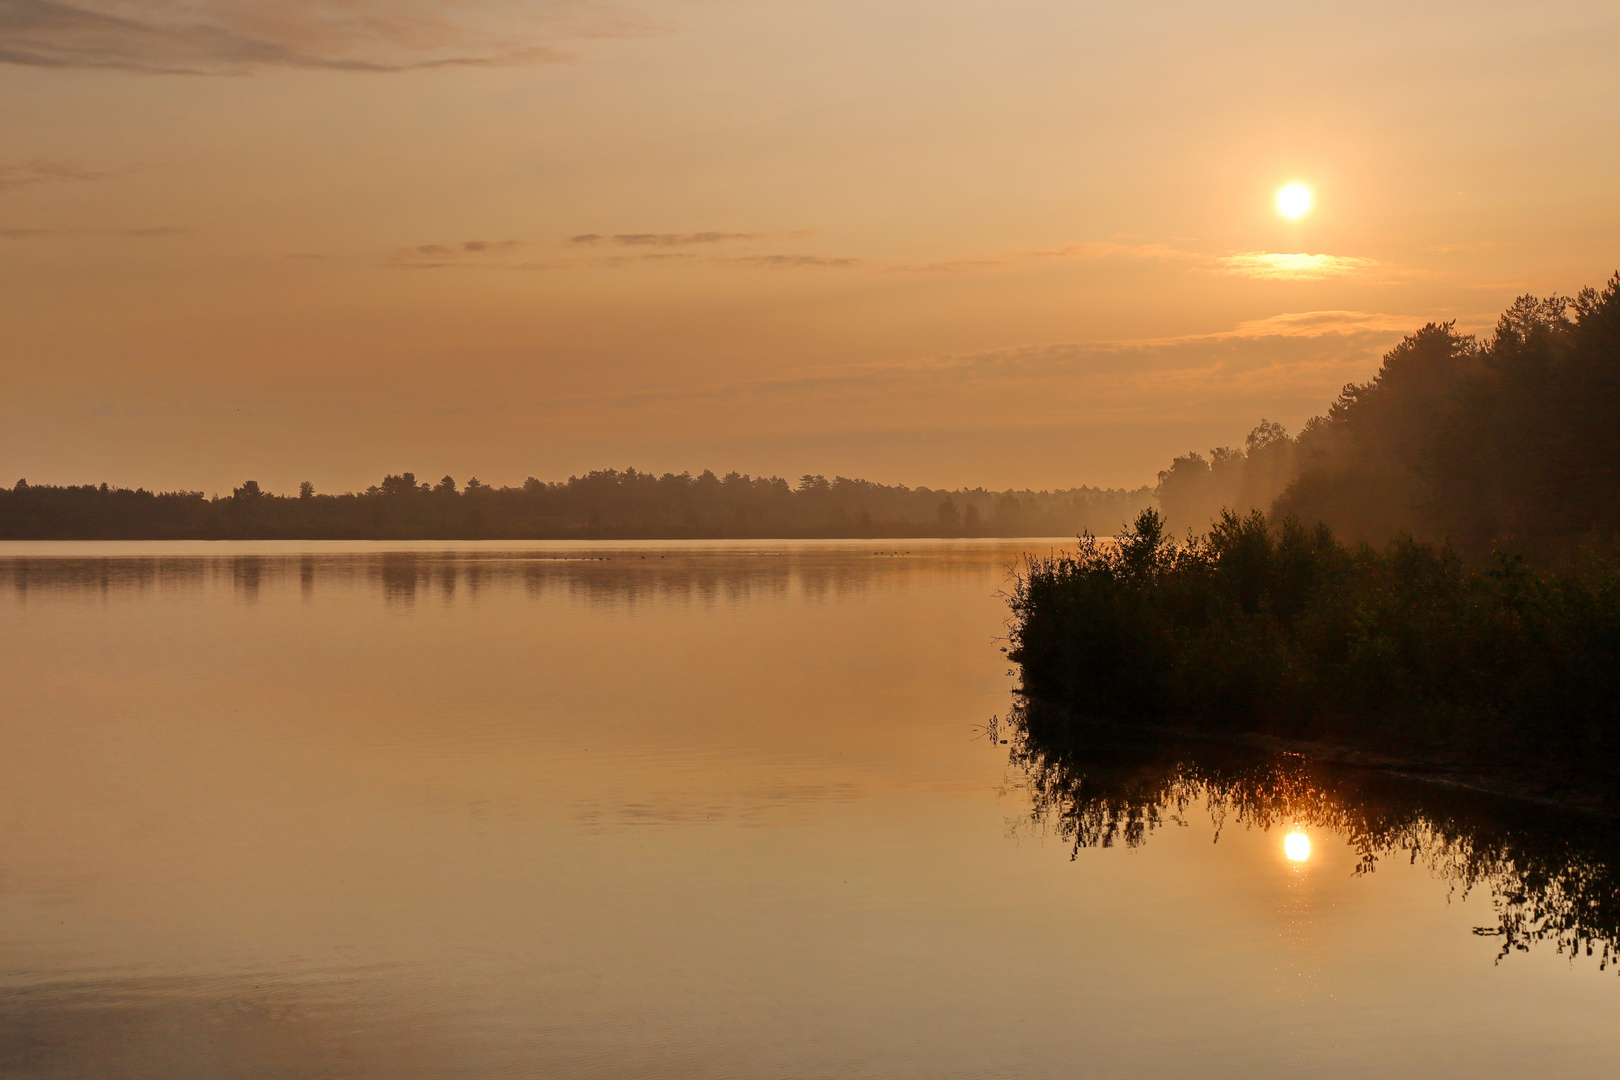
(1026, 245)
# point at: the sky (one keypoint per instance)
(957, 243)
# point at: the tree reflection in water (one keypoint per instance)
(1551, 875)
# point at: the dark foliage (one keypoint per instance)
(1513, 441)
(605, 504)
(1285, 630)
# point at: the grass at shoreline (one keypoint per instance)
(1285, 631)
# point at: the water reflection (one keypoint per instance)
(560, 811)
(580, 812)
(595, 574)
(1553, 876)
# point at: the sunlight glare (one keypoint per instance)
(1297, 846)
(1294, 201)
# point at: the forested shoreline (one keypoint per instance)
(1513, 441)
(607, 504)
(1429, 570)
(1287, 632)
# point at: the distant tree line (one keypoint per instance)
(1514, 441)
(607, 504)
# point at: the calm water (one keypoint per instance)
(700, 810)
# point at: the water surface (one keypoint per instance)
(695, 810)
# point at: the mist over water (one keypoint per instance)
(698, 809)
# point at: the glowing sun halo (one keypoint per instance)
(1294, 201)
(1297, 846)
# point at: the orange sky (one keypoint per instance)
(1019, 243)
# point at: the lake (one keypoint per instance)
(706, 810)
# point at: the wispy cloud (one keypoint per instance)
(690, 239)
(1317, 323)
(28, 174)
(433, 257)
(1253, 264)
(478, 247)
(1293, 361)
(710, 247)
(230, 36)
(818, 262)
(37, 232)
(1294, 267)
(465, 247)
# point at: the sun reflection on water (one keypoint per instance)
(1297, 846)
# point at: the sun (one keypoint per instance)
(1297, 846)
(1294, 201)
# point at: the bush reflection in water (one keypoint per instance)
(1551, 875)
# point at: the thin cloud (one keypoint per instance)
(478, 247)
(675, 248)
(441, 257)
(44, 172)
(1265, 265)
(1317, 323)
(150, 232)
(212, 37)
(683, 239)
(665, 239)
(803, 261)
(1296, 361)
(1293, 267)
(465, 247)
